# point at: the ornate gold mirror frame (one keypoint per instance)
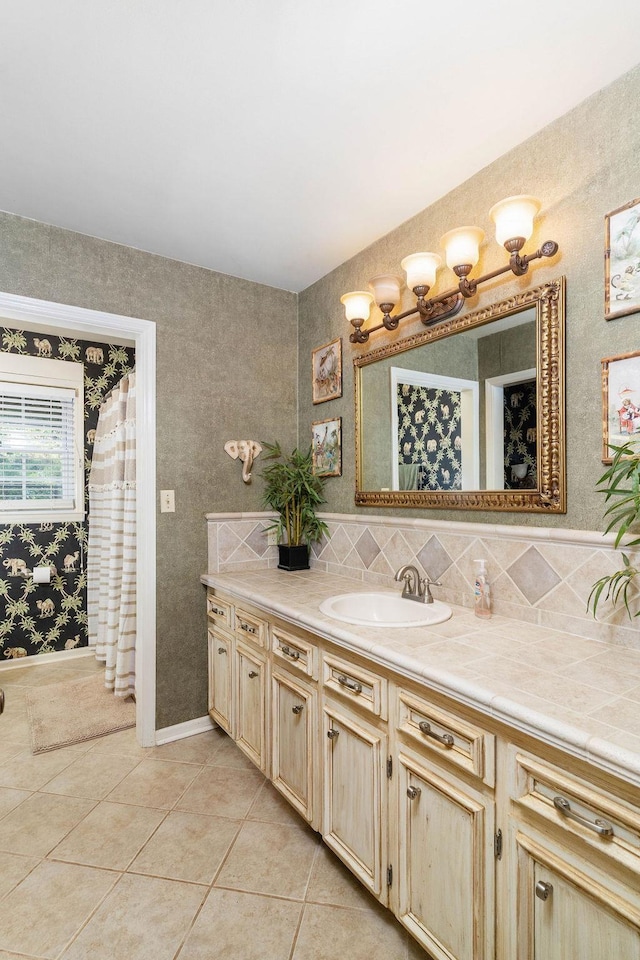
(550, 494)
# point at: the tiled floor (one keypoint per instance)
(112, 852)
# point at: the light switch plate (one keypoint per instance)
(167, 501)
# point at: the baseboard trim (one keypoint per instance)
(181, 730)
(38, 658)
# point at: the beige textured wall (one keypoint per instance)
(582, 166)
(214, 383)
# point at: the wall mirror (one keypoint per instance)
(469, 413)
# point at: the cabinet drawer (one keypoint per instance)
(447, 736)
(355, 684)
(250, 627)
(219, 610)
(577, 808)
(296, 652)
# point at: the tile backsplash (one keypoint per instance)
(537, 575)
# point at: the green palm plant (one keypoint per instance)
(293, 490)
(620, 484)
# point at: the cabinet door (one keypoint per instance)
(220, 680)
(294, 733)
(446, 862)
(355, 795)
(565, 910)
(250, 704)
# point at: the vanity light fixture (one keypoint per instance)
(513, 218)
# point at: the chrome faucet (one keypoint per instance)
(416, 587)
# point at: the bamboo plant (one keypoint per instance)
(620, 484)
(294, 492)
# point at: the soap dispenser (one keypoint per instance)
(482, 591)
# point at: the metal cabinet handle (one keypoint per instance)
(299, 707)
(602, 827)
(247, 629)
(543, 890)
(350, 684)
(253, 674)
(333, 734)
(1, 701)
(444, 738)
(218, 611)
(288, 652)
(222, 649)
(413, 792)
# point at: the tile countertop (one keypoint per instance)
(578, 694)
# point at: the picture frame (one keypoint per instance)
(326, 447)
(622, 260)
(620, 400)
(326, 371)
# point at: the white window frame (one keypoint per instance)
(43, 373)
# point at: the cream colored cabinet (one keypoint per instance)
(294, 734)
(221, 678)
(250, 698)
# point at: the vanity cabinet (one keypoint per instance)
(485, 842)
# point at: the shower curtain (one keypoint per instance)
(111, 550)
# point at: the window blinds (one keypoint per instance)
(37, 448)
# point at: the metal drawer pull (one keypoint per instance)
(333, 734)
(222, 649)
(288, 652)
(350, 684)
(543, 890)
(444, 738)
(413, 792)
(221, 613)
(299, 707)
(247, 629)
(253, 674)
(602, 827)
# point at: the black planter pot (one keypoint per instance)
(293, 558)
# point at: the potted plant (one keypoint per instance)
(620, 485)
(294, 492)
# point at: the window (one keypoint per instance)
(41, 439)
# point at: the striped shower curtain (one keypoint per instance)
(111, 550)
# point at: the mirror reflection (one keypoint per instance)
(454, 412)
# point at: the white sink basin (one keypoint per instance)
(382, 609)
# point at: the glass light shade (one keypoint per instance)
(462, 245)
(514, 217)
(421, 269)
(357, 305)
(386, 289)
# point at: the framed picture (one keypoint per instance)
(620, 400)
(326, 447)
(326, 371)
(622, 261)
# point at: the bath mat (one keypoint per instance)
(74, 711)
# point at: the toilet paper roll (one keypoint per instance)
(42, 574)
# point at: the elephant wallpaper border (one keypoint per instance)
(46, 618)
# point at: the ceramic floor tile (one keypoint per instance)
(242, 926)
(229, 755)
(222, 791)
(122, 742)
(28, 772)
(143, 918)
(187, 846)
(43, 913)
(332, 883)
(334, 933)
(270, 805)
(110, 836)
(40, 822)
(198, 749)
(155, 783)
(92, 775)
(10, 798)
(13, 869)
(270, 857)
(9, 750)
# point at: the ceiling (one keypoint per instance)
(274, 139)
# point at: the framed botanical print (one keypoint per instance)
(326, 447)
(622, 260)
(620, 401)
(326, 371)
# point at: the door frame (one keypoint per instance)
(46, 315)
